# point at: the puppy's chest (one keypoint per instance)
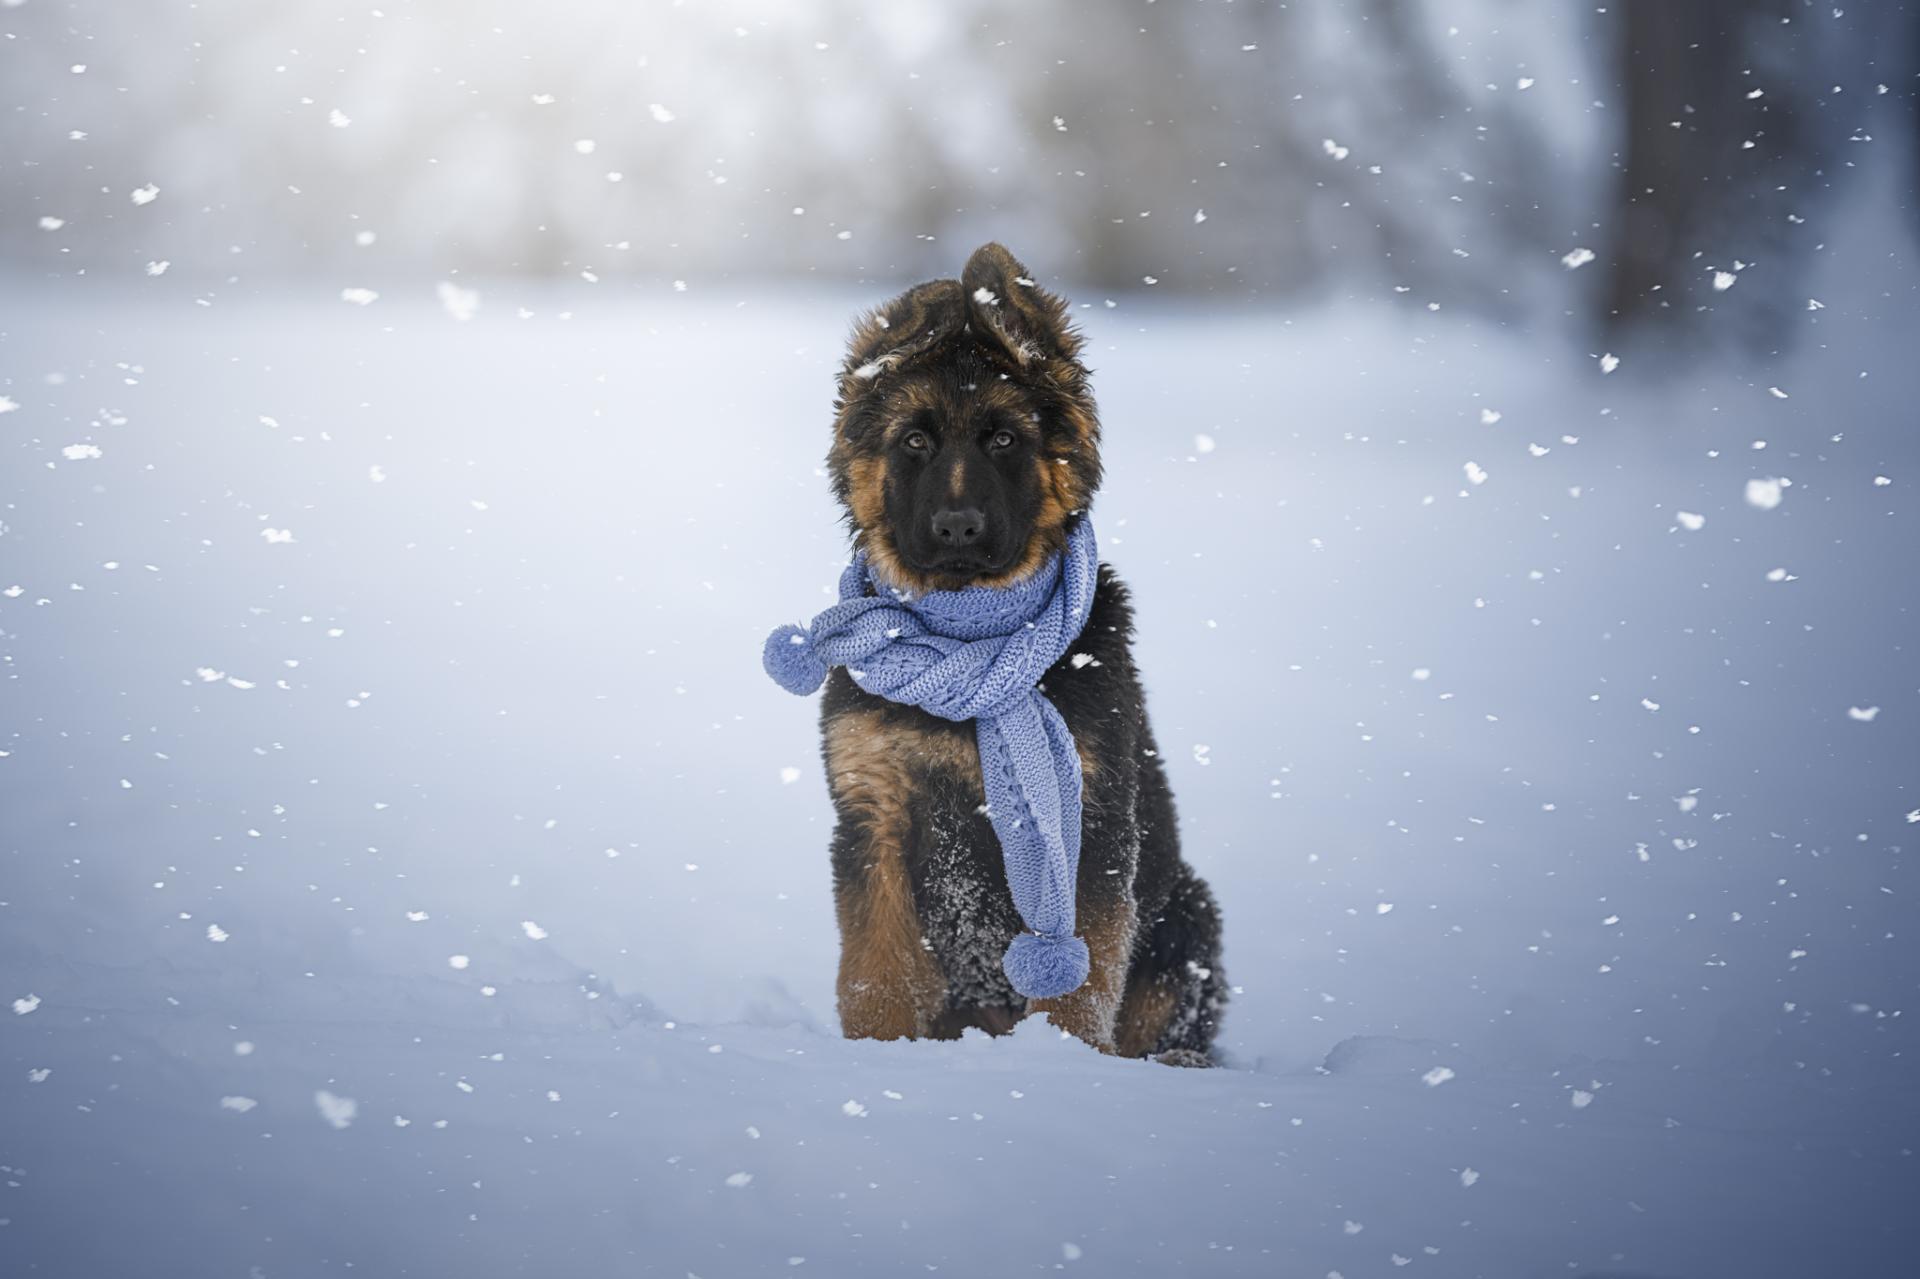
(884, 761)
(883, 758)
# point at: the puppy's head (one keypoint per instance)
(965, 438)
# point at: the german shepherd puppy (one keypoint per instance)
(965, 441)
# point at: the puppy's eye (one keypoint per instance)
(916, 440)
(1002, 440)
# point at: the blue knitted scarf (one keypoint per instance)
(976, 653)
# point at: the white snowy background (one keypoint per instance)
(406, 869)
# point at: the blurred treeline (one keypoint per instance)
(1440, 153)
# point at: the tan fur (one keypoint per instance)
(1144, 1014)
(1092, 1012)
(889, 985)
(867, 487)
(875, 746)
(866, 500)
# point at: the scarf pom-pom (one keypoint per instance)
(789, 659)
(1045, 967)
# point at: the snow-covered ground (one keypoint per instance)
(406, 869)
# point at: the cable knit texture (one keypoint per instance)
(977, 654)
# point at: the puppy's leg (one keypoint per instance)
(889, 985)
(1177, 989)
(1103, 900)
(1107, 926)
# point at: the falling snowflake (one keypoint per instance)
(337, 1111)
(459, 303)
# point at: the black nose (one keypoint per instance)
(958, 528)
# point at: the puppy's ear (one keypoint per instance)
(902, 328)
(1006, 304)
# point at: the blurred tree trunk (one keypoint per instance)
(1736, 128)
(1909, 87)
(1687, 185)
(1665, 66)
